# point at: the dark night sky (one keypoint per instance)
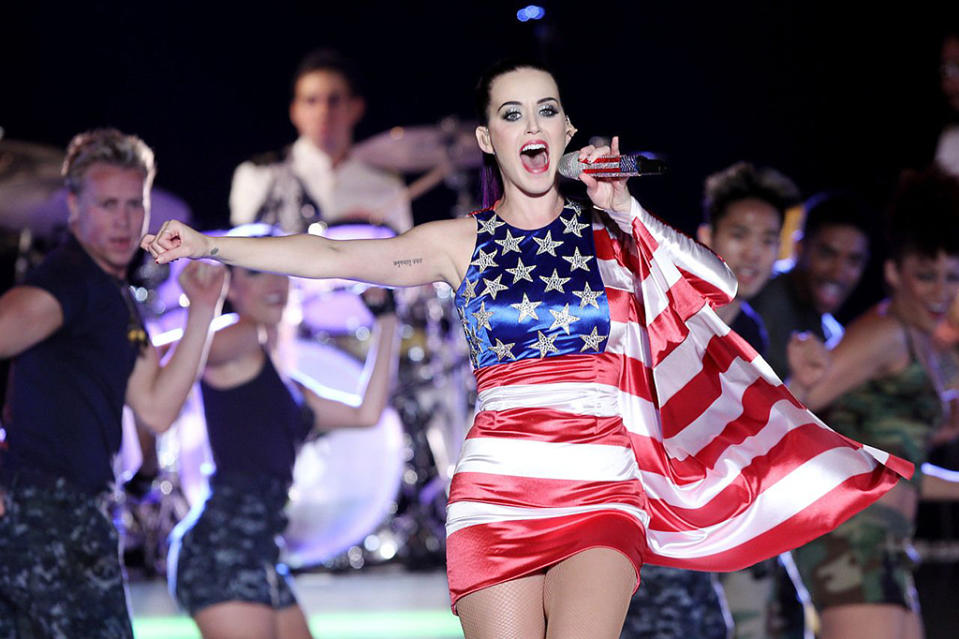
(830, 96)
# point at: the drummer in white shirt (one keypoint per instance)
(315, 178)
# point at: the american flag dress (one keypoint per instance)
(615, 409)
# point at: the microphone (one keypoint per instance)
(626, 165)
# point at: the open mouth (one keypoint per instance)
(535, 156)
(830, 294)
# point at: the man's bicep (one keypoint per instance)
(28, 315)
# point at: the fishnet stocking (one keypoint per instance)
(583, 597)
(510, 610)
(587, 595)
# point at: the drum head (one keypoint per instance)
(344, 483)
(333, 306)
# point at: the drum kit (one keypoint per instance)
(359, 496)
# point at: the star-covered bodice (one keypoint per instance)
(530, 294)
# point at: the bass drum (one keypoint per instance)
(345, 482)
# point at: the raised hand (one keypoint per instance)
(175, 240)
(204, 284)
(808, 359)
(609, 194)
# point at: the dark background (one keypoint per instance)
(829, 93)
(834, 94)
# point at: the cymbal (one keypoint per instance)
(411, 149)
(32, 194)
(53, 211)
(29, 174)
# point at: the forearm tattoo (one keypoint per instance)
(214, 251)
(408, 262)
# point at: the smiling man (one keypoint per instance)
(830, 261)
(743, 212)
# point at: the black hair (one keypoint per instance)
(923, 217)
(838, 208)
(491, 180)
(743, 181)
(329, 60)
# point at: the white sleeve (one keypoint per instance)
(251, 185)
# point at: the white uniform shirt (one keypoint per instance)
(352, 190)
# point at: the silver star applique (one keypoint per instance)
(503, 350)
(547, 245)
(485, 260)
(510, 243)
(578, 261)
(470, 291)
(587, 296)
(554, 282)
(562, 319)
(526, 308)
(573, 226)
(493, 286)
(593, 340)
(544, 344)
(482, 317)
(490, 225)
(521, 272)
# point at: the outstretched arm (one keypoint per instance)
(871, 347)
(434, 252)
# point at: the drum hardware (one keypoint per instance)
(29, 175)
(413, 149)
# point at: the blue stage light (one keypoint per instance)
(531, 12)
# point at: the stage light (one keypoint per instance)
(531, 12)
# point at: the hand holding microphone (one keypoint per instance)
(591, 163)
(612, 166)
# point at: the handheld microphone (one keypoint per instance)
(626, 165)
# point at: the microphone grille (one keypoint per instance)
(570, 166)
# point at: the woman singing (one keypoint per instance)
(619, 420)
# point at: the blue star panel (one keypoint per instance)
(536, 293)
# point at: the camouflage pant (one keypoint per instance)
(865, 560)
(60, 574)
(228, 550)
(676, 604)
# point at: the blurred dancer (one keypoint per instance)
(878, 387)
(830, 261)
(80, 352)
(316, 179)
(224, 562)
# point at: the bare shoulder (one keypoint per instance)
(877, 331)
(454, 239)
(463, 228)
